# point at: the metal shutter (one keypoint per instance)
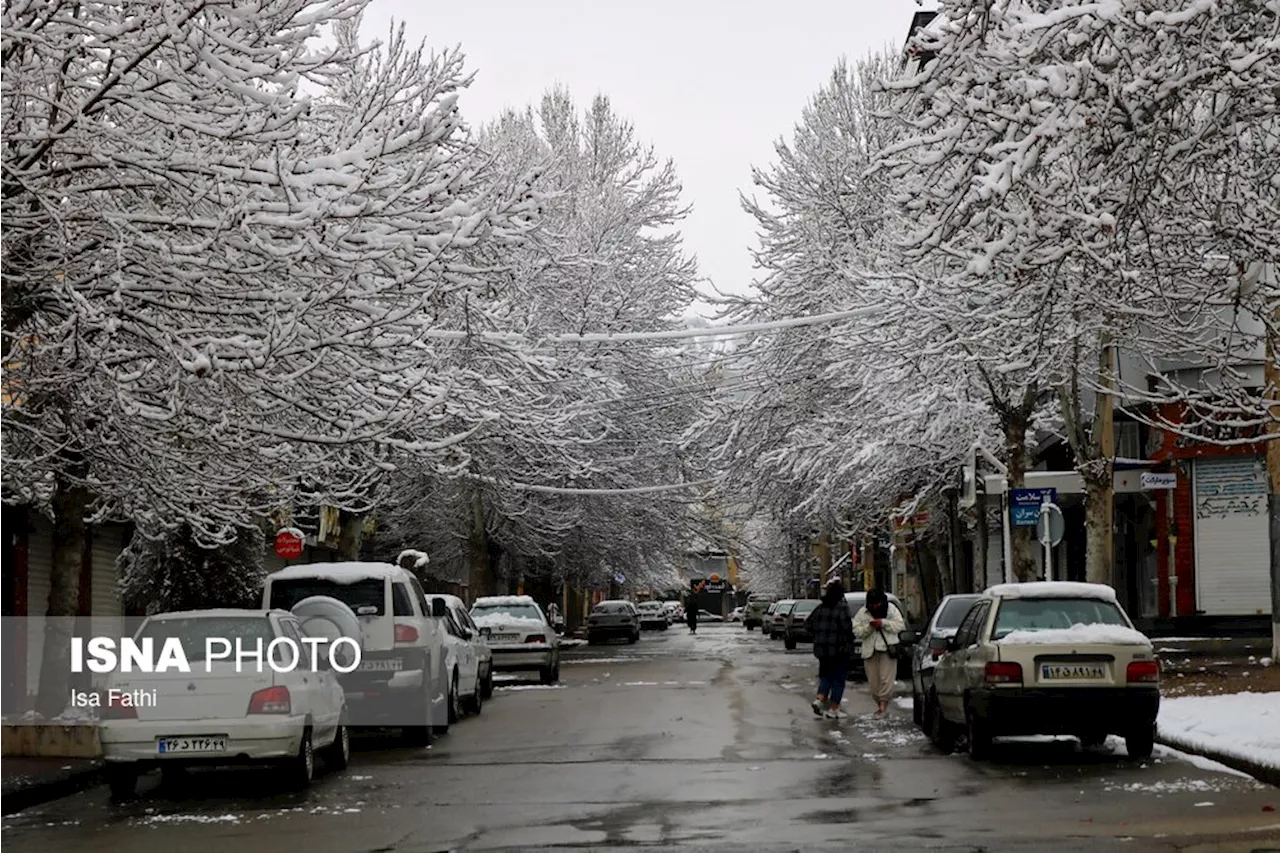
(39, 571)
(1231, 536)
(104, 596)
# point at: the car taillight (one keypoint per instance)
(1003, 673)
(115, 709)
(406, 634)
(535, 638)
(270, 700)
(1143, 671)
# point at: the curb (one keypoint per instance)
(27, 796)
(1262, 772)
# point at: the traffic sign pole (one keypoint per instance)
(1048, 548)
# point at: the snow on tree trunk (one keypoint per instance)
(70, 544)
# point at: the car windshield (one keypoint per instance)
(650, 605)
(1047, 614)
(194, 632)
(805, 607)
(370, 592)
(492, 612)
(954, 611)
(611, 607)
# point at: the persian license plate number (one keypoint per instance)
(383, 665)
(1072, 671)
(209, 743)
(504, 638)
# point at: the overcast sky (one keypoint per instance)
(710, 83)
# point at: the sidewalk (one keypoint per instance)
(29, 782)
(1240, 730)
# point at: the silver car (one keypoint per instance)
(933, 645)
(518, 635)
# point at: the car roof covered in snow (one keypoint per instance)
(502, 600)
(447, 598)
(349, 572)
(218, 612)
(1053, 589)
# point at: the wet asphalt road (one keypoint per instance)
(678, 742)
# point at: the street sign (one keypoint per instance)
(714, 587)
(289, 543)
(619, 578)
(1159, 481)
(1024, 505)
(1050, 527)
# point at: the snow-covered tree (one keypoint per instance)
(604, 258)
(175, 572)
(226, 246)
(1081, 164)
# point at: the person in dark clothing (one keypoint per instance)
(832, 629)
(691, 614)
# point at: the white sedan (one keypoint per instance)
(224, 711)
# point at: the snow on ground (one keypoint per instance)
(1240, 725)
(903, 702)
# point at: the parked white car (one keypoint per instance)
(653, 615)
(468, 657)
(401, 681)
(519, 635)
(1046, 658)
(223, 711)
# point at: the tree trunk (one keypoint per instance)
(981, 542)
(481, 574)
(69, 542)
(1099, 519)
(1015, 446)
(350, 536)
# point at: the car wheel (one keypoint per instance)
(1140, 743)
(487, 689)
(549, 674)
(592, 640)
(917, 709)
(338, 755)
(979, 734)
(474, 703)
(455, 700)
(301, 769)
(122, 779)
(940, 731)
(789, 641)
(635, 637)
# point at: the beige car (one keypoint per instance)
(1045, 658)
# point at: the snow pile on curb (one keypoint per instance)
(1245, 726)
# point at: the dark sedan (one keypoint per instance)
(794, 629)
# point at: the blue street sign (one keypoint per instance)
(1024, 505)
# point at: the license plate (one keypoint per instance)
(385, 665)
(1072, 671)
(171, 745)
(504, 638)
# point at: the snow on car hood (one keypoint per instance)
(1054, 589)
(1100, 634)
(501, 618)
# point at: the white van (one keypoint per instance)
(401, 680)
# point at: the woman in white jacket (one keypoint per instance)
(877, 625)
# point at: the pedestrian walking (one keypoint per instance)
(877, 625)
(691, 615)
(832, 631)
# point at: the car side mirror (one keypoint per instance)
(438, 608)
(953, 644)
(906, 637)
